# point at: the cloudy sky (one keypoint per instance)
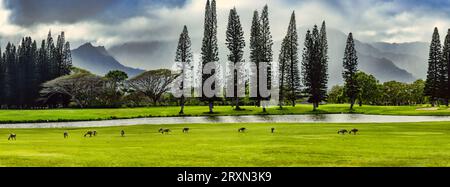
(112, 22)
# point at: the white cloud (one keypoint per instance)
(368, 20)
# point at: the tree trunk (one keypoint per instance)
(211, 107)
(281, 98)
(181, 105)
(264, 107)
(314, 106)
(293, 103)
(237, 103)
(78, 102)
(360, 103)
(352, 102)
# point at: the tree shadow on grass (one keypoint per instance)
(241, 109)
(318, 111)
(351, 111)
(211, 113)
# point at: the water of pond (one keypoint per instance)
(324, 118)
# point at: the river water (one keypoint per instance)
(323, 118)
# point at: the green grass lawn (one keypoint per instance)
(390, 144)
(7, 116)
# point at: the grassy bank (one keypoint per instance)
(15, 116)
(400, 144)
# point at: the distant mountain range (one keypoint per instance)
(404, 62)
(151, 55)
(382, 63)
(98, 61)
(412, 57)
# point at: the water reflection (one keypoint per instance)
(319, 118)
(213, 119)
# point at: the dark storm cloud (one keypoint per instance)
(347, 6)
(30, 12)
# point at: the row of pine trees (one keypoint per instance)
(24, 68)
(314, 60)
(437, 86)
(311, 82)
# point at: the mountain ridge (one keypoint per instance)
(370, 60)
(97, 60)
